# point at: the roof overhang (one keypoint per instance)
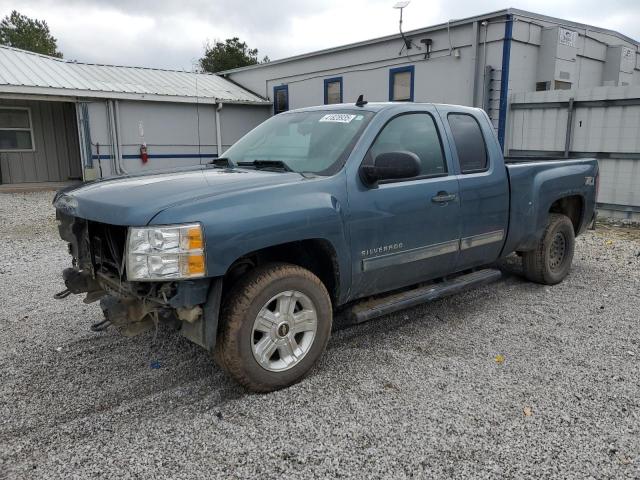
(72, 95)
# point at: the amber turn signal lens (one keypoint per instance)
(195, 264)
(194, 236)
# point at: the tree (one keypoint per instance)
(20, 31)
(232, 53)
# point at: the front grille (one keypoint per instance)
(107, 247)
(99, 250)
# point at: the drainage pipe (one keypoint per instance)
(115, 153)
(218, 129)
(122, 170)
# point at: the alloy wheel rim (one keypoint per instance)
(284, 331)
(557, 251)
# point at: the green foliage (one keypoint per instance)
(20, 31)
(232, 53)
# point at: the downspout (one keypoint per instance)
(218, 129)
(85, 157)
(504, 80)
(476, 60)
(118, 138)
(485, 96)
(113, 137)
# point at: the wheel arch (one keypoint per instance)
(317, 255)
(573, 207)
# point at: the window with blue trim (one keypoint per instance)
(280, 99)
(401, 84)
(332, 90)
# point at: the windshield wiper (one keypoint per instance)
(266, 164)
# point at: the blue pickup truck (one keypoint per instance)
(353, 210)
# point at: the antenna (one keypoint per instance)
(407, 43)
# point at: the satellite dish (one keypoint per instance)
(408, 44)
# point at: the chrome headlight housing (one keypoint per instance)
(166, 252)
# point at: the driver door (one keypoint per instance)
(405, 231)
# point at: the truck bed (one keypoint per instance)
(536, 184)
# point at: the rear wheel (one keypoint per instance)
(276, 324)
(551, 261)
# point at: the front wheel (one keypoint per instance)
(550, 262)
(276, 324)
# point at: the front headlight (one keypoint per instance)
(165, 252)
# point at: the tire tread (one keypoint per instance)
(239, 300)
(534, 261)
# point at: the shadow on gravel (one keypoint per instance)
(427, 316)
(105, 373)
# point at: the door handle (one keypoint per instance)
(443, 197)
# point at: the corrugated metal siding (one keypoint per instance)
(619, 181)
(538, 129)
(176, 134)
(26, 70)
(608, 131)
(56, 156)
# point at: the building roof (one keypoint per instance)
(451, 23)
(23, 72)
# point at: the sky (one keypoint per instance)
(172, 34)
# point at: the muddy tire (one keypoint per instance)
(276, 323)
(551, 261)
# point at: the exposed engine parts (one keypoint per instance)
(133, 307)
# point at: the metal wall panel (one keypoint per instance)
(605, 124)
(538, 129)
(619, 181)
(176, 134)
(237, 120)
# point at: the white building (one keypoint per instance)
(551, 86)
(63, 120)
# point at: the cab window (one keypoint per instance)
(416, 133)
(470, 146)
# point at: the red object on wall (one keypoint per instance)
(144, 156)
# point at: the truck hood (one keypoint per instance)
(136, 200)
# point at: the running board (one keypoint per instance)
(378, 307)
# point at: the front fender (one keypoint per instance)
(238, 224)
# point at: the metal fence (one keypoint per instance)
(601, 122)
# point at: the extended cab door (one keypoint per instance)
(404, 231)
(484, 187)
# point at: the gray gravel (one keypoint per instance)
(416, 394)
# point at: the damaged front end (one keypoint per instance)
(98, 270)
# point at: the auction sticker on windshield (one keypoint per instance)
(338, 118)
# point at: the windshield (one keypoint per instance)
(316, 142)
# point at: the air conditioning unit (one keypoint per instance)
(557, 59)
(618, 66)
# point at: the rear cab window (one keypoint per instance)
(469, 142)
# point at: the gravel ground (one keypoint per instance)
(511, 380)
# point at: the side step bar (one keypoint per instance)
(378, 307)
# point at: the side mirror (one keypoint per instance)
(391, 166)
